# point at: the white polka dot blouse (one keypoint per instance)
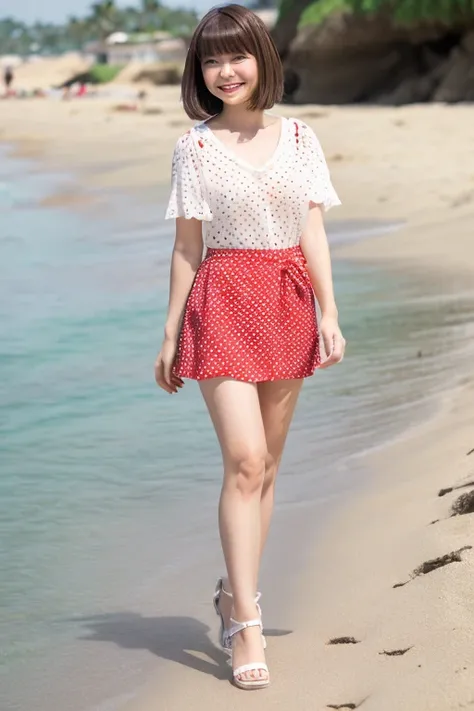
(248, 207)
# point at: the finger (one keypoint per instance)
(326, 363)
(339, 344)
(336, 356)
(328, 341)
(163, 384)
(157, 370)
(160, 378)
(176, 381)
(168, 378)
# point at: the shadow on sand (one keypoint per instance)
(183, 640)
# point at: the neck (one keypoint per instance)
(239, 118)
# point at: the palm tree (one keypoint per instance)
(104, 17)
(77, 31)
(150, 12)
(150, 6)
(130, 19)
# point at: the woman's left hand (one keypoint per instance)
(334, 342)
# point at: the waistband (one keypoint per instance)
(272, 254)
(290, 260)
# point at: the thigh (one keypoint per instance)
(234, 408)
(277, 405)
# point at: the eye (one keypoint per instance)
(210, 61)
(240, 57)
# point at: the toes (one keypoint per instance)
(253, 675)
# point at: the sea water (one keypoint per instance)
(109, 486)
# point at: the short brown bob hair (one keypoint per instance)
(229, 29)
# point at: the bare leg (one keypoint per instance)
(277, 404)
(277, 400)
(234, 408)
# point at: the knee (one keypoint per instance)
(250, 473)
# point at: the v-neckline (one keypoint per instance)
(249, 166)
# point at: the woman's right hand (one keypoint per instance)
(164, 375)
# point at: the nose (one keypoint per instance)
(226, 70)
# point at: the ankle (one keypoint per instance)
(244, 612)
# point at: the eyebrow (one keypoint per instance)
(220, 54)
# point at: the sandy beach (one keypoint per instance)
(399, 648)
(406, 620)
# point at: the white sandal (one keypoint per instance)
(224, 638)
(257, 666)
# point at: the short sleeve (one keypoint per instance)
(186, 198)
(321, 190)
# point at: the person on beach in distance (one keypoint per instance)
(251, 187)
(7, 79)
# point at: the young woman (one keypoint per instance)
(251, 186)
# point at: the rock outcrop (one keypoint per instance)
(158, 74)
(351, 58)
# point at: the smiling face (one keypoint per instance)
(232, 78)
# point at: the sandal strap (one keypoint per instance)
(253, 666)
(217, 595)
(239, 626)
(220, 589)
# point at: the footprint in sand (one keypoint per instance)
(462, 199)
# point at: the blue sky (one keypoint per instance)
(59, 10)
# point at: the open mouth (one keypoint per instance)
(230, 88)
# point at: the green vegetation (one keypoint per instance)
(102, 19)
(103, 73)
(403, 11)
(317, 11)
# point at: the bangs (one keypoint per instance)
(223, 35)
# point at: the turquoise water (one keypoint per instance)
(108, 485)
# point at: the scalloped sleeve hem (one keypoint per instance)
(327, 199)
(187, 193)
(174, 211)
(321, 189)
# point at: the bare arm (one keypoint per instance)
(314, 244)
(185, 261)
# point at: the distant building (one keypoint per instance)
(120, 48)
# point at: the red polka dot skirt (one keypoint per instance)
(250, 316)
